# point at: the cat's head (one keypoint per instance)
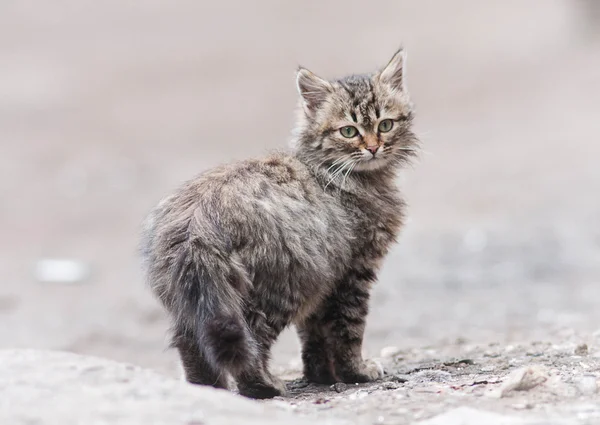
(361, 122)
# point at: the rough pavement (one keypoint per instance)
(539, 384)
(106, 106)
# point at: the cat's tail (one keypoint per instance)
(208, 303)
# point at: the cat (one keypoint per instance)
(244, 250)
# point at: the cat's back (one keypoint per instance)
(249, 186)
(269, 214)
(254, 199)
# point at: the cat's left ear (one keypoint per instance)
(394, 72)
(314, 90)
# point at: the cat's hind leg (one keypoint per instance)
(196, 368)
(256, 381)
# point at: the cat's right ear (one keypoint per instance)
(394, 72)
(314, 90)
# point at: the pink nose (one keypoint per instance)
(372, 149)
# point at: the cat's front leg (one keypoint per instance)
(317, 353)
(345, 314)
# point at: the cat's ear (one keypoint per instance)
(314, 90)
(394, 73)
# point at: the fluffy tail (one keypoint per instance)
(208, 304)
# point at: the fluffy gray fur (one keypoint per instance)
(243, 250)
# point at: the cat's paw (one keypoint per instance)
(371, 370)
(368, 371)
(262, 390)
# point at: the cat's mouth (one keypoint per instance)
(373, 163)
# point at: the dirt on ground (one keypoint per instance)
(107, 106)
(537, 383)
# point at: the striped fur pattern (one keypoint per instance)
(296, 238)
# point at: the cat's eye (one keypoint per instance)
(385, 126)
(349, 131)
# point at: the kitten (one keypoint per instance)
(244, 250)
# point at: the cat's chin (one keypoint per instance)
(371, 164)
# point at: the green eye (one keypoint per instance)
(348, 131)
(385, 126)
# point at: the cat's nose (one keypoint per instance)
(373, 149)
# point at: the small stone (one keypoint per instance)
(459, 363)
(298, 384)
(582, 350)
(587, 385)
(524, 379)
(397, 378)
(339, 387)
(389, 385)
(61, 271)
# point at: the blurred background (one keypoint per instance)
(107, 106)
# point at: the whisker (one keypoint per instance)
(347, 173)
(341, 169)
(337, 161)
(337, 172)
(334, 174)
(342, 158)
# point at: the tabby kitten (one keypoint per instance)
(244, 250)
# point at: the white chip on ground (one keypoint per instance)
(60, 271)
(524, 379)
(587, 385)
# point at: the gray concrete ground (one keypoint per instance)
(106, 106)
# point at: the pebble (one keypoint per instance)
(587, 385)
(339, 387)
(524, 379)
(389, 385)
(582, 350)
(398, 378)
(61, 271)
